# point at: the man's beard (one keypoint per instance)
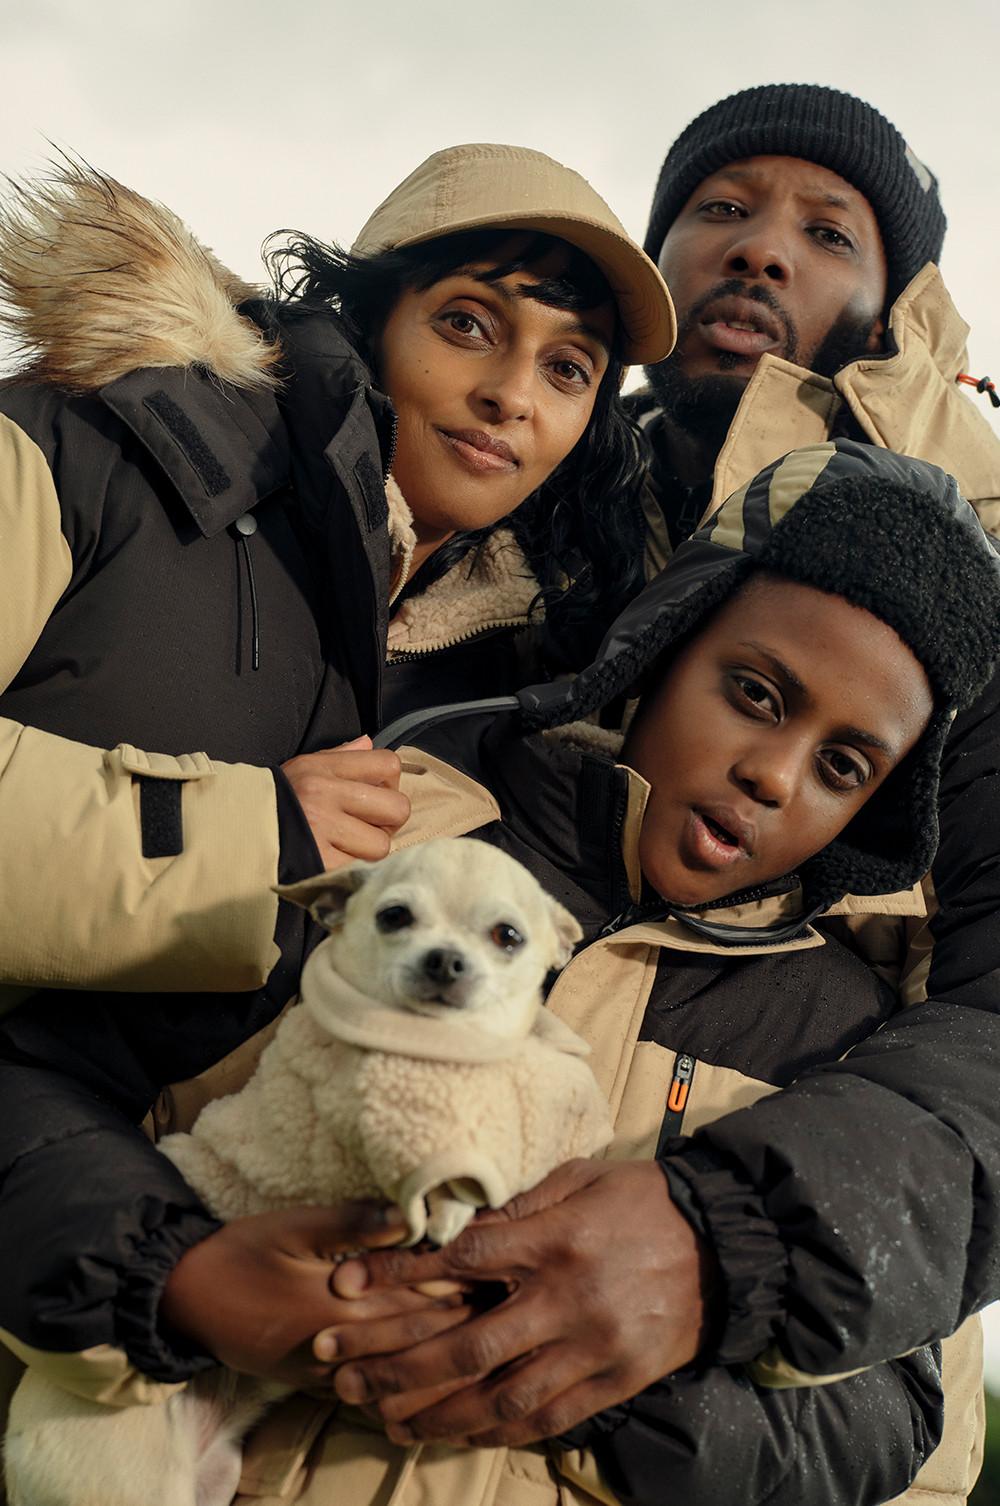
(705, 406)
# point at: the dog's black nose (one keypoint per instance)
(443, 965)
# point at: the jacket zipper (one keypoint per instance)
(410, 655)
(677, 1099)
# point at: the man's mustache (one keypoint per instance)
(734, 287)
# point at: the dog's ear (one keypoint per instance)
(325, 895)
(568, 932)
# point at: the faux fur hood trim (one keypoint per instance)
(97, 281)
(495, 587)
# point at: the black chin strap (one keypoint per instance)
(724, 935)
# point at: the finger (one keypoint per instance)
(367, 766)
(353, 1340)
(364, 741)
(329, 1232)
(560, 1184)
(353, 836)
(475, 1348)
(529, 1400)
(485, 1251)
(375, 804)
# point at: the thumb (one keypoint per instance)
(363, 742)
(555, 1188)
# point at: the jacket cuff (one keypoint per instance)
(155, 1349)
(298, 855)
(752, 1260)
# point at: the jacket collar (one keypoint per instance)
(222, 449)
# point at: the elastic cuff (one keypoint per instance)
(155, 1349)
(753, 1263)
(298, 855)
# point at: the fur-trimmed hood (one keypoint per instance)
(97, 281)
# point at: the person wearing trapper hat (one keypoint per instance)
(253, 484)
(799, 663)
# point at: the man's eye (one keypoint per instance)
(722, 209)
(836, 239)
(507, 938)
(394, 918)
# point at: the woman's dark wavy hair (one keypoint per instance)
(582, 531)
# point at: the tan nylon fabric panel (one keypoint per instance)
(201, 920)
(99, 1374)
(30, 534)
(444, 802)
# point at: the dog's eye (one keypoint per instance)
(506, 937)
(394, 918)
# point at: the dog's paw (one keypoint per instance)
(447, 1217)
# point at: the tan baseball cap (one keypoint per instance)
(475, 186)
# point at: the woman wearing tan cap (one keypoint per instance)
(496, 300)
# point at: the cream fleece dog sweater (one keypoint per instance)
(352, 1099)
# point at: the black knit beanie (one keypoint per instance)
(820, 125)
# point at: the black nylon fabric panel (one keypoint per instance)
(784, 1012)
(874, 1266)
(90, 1257)
(717, 1437)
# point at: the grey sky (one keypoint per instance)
(247, 116)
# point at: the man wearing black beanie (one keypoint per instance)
(798, 234)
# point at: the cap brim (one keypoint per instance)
(644, 303)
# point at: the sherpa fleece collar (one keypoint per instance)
(359, 1020)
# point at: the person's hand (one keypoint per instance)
(607, 1286)
(254, 1293)
(351, 798)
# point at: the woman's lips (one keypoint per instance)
(478, 451)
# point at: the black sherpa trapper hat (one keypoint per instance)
(888, 533)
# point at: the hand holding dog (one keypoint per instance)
(351, 799)
(254, 1293)
(608, 1286)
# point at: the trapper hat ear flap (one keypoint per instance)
(325, 895)
(567, 930)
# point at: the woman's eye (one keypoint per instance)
(845, 771)
(572, 373)
(508, 938)
(461, 322)
(753, 695)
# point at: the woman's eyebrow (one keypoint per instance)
(539, 293)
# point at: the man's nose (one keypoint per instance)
(761, 252)
(505, 391)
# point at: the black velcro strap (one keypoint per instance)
(160, 817)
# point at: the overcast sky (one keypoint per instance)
(246, 116)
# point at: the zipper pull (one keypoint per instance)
(677, 1097)
(981, 384)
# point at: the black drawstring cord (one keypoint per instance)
(246, 527)
(981, 384)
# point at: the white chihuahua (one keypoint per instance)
(404, 1073)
